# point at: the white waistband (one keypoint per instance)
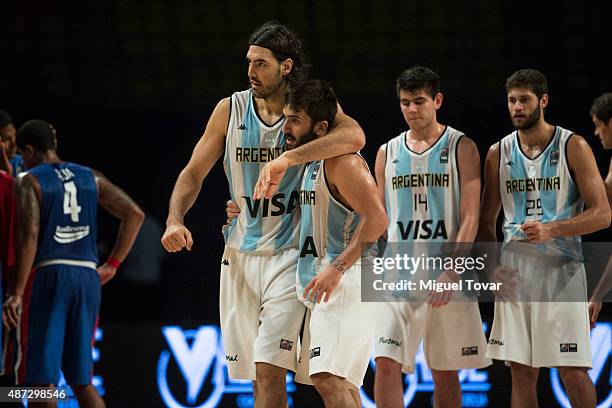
(86, 264)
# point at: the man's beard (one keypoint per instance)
(530, 121)
(265, 91)
(302, 140)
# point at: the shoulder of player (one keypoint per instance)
(493, 156)
(494, 149)
(578, 151)
(345, 165)
(466, 142)
(26, 180)
(575, 141)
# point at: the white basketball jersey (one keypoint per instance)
(422, 189)
(327, 225)
(538, 189)
(268, 225)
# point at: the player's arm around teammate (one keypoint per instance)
(350, 179)
(346, 136)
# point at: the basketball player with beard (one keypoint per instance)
(542, 176)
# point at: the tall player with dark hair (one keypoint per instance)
(542, 176)
(56, 216)
(260, 314)
(447, 330)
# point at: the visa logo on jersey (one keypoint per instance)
(278, 205)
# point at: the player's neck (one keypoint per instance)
(270, 109)
(50, 157)
(539, 135)
(428, 134)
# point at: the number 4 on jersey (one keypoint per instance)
(71, 205)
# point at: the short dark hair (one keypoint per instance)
(417, 78)
(316, 98)
(602, 107)
(530, 79)
(5, 119)
(284, 44)
(38, 134)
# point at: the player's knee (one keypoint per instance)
(269, 377)
(573, 376)
(386, 367)
(523, 375)
(325, 383)
(445, 377)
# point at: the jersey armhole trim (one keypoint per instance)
(331, 196)
(567, 164)
(457, 162)
(229, 118)
(499, 164)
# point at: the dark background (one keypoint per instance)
(129, 86)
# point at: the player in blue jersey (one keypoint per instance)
(541, 175)
(57, 255)
(10, 161)
(601, 114)
(260, 314)
(340, 211)
(429, 179)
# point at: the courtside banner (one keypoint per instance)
(558, 270)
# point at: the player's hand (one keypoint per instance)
(106, 273)
(439, 299)
(270, 177)
(176, 237)
(322, 285)
(11, 311)
(508, 278)
(594, 309)
(232, 210)
(536, 232)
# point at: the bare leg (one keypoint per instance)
(447, 390)
(49, 404)
(271, 388)
(388, 386)
(579, 387)
(87, 396)
(524, 386)
(335, 391)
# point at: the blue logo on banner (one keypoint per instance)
(199, 355)
(474, 383)
(601, 349)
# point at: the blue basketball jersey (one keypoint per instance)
(538, 189)
(422, 189)
(267, 225)
(326, 225)
(68, 212)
